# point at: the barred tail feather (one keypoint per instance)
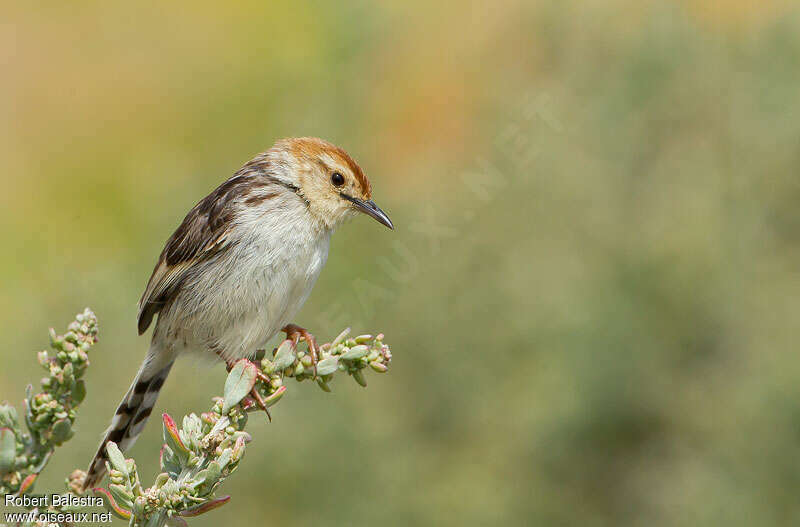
(131, 414)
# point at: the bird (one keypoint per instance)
(240, 266)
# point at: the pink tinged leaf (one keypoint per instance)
(27, 484)
(169, 426)
(111, 504)
(171, 435)
(378, 367)
(205, 507)
(240, 381)
(121, 495)
(275, 397)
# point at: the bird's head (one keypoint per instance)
(330, 181)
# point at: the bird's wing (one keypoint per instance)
(202, 234)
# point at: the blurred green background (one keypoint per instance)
(594, 285)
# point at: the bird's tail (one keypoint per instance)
(132, 412)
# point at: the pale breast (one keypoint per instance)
(236, 303)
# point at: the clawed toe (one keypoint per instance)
(295, 333)
(260, 402)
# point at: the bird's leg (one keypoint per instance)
(260, 402)
(295, 333)
(254, 395)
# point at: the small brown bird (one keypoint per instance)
(240, 266)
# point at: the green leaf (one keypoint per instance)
(340, 337)
(111, 505)
(62, 431)
(225, 457)
(161, 479)
(8, 416)
(284, 357)
(214, 472)
(272, 399)
(116, 458)
(323, 385)
(205, 480)
(356, 352)
(170, 462)
(204, 507)
(27, 405)
(359, 378)
(78, 392)
(121, 495)
(240, 381)
(327, 366)
(8, 450)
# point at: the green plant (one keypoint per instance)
(195, 458)
(199, 456)
(50, 414)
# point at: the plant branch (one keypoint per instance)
(50, 414)
(198, 457)
(195, 458)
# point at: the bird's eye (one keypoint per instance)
(337, 179)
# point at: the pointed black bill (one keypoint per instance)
(370, 209)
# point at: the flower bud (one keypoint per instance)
(323, 385)
(267, 366)
(359, 378)
(378, 367)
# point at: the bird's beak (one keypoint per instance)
(369, 208)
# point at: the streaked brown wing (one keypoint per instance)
(201, 235)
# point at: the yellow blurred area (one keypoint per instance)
(591, 294)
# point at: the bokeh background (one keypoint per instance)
(592, 294)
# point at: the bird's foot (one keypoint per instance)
(295, 333)
(255, 396)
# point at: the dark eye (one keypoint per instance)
(337, 179)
